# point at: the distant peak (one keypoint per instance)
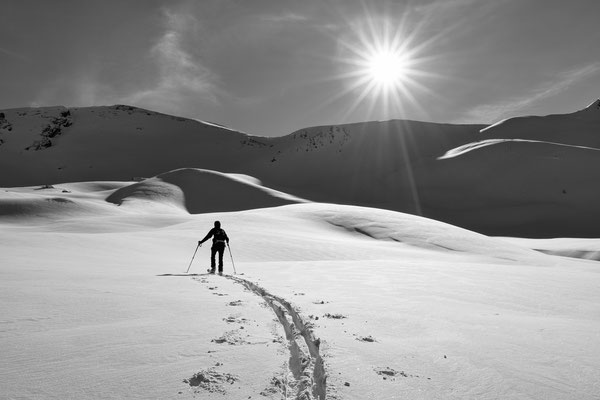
(594, 106)
(591, 111)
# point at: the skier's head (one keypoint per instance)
(217, 224)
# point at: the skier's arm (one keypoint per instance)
(208, 236)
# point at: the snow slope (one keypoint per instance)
(366, 164)
(330, 301)
(580, 128)
(203, 191)
(535, 178)
(527, 176)
(108, 143)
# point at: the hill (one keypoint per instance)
(203, 191)
(56, 144)
(527, 176)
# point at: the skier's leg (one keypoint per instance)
(221, 251)
(213, 253)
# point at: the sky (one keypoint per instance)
(271, 67)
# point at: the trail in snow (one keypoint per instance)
(306, 363)
(306, 378)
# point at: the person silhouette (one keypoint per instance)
(220, 239)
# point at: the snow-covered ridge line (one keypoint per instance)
(400, 165)
(308, 370)
(592, 110)
(215, 125)
(461, 150)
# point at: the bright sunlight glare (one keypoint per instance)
(384, 60)
(387, 67)
(385, 64)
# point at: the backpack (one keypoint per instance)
(220, 235)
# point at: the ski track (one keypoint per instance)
(306, 368)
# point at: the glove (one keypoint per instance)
(199, 243)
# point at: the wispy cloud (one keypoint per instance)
(286, 17)
(511, 107)
(10, 53)
(443, 5)
(180, 74)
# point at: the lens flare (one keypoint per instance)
(384, 65)
(387, 68)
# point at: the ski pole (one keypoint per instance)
(192, 258)
(232, 263)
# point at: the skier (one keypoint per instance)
(220, 239)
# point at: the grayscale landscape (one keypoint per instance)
(389, 257)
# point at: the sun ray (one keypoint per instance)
(367, 90)
(383, 65)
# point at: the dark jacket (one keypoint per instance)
(217, 234)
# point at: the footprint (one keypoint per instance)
(334, 316)
(369, 339)
(390, 373)
(211, 381)
(236, 320)
(232, 338)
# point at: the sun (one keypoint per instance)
(385, 64)
(387, 68)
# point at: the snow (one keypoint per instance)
(577, 128)
(95, 302)
(462, 150)
(568, 247)
(336, 292)
(187, 189)
(396, 165)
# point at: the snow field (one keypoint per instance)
(94, 306)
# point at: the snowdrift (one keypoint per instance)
(410, 230)
(587, 249)
(202, 191)
(49, 203)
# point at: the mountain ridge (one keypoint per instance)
(397, 165)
